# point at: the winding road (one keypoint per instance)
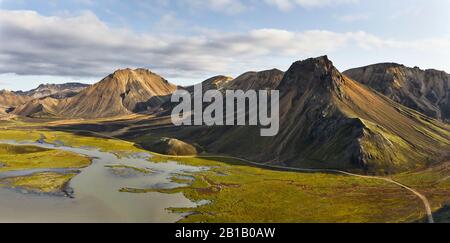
(424, 199)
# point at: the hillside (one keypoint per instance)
(331, 121)
(216, 82)
(427, 91)
(268, 79)
(43, 107)
(10, 99)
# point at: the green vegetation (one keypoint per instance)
(238, 192)
(73, 140)
(102, 143)
(139, 170)
(242, 193)
(434, 183)
(31, 157)
(41, 182)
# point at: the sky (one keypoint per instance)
(187, 41)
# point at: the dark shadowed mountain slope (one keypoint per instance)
(427, 91)
(330, 121)
(58, 91)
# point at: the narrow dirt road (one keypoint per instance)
(424, 200)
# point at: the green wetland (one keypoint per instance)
(74, 178)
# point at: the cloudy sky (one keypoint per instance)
(187, 41)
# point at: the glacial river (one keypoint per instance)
(96, 196)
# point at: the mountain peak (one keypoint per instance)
(313, 72)
(129, 71)
(128, 75)
(321, 63)
(123, 92)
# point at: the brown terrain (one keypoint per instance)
(57, 91)
(330, 121)
(327, 120)
(122, 93)
(427, 91)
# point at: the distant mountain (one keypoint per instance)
(9, 99)
(268, 79)
(427, 91)
(121, 93)
(213, 83)
(328, 120)
(58, 91)
(262, 80)
(43, 107)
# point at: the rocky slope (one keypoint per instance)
(10, 99)
(213, 83)
(121, 93)
(38, 108)
(268, 79)
(328, 120)
(427, 91)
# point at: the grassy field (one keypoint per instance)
(32, 157)
(72, 140)
(434, 183)
(15, 158)
(242, 193)
(41, 182)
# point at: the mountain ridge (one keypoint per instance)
(123, 92)
(427, 91)
(58, 91)
(328, 120)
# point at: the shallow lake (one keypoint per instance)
(96, 192)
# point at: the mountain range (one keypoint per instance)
(122, 93)
(58, 91)
(380, 119)
(328, 120)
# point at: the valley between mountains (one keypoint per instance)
(370, 144)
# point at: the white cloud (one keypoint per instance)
(239, 6)
(224, 6)
(84, 46)
(289, 4)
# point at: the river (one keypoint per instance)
(96, 196)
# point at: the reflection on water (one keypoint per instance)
(96, 192)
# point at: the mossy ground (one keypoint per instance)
(124, 169)
(434, 183)
(72, 140)
(41, 182)
(242, 193)
(31, 157)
